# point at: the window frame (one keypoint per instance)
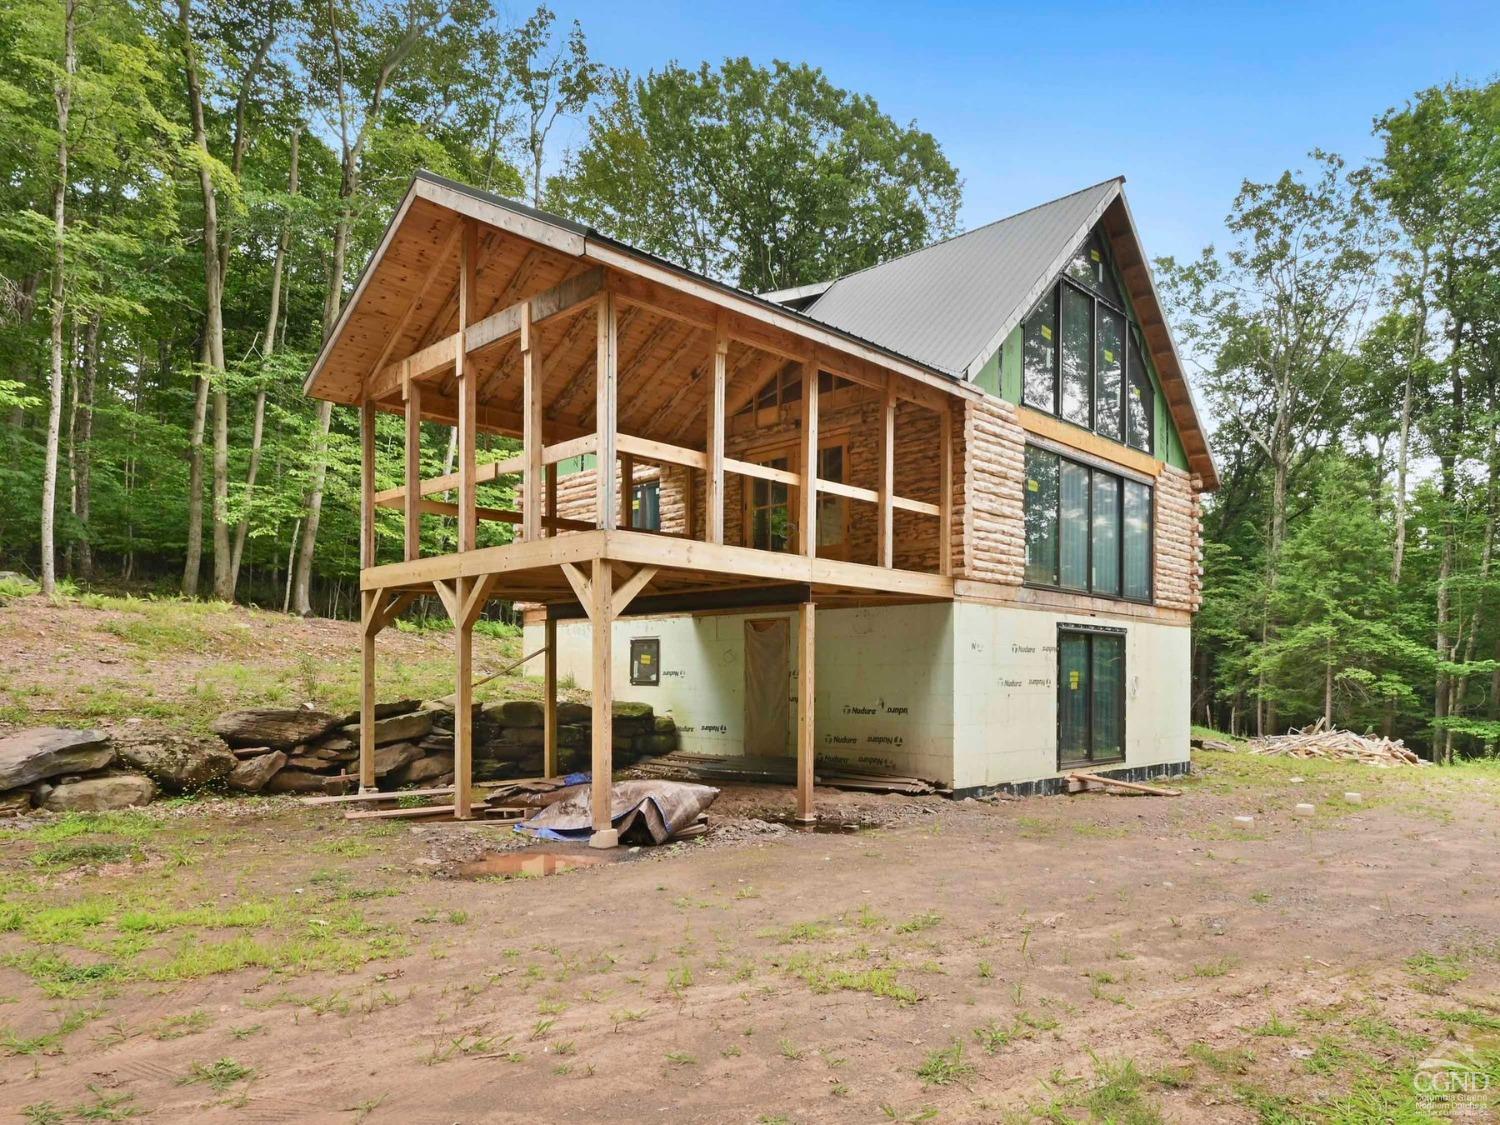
(1131, 335)
(1092, 631)
(638, 494)
(1121, 478)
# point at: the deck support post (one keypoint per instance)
(605, 387)
(806, 696)
(884, 525)
(601, 617)
(549, 699)
(369, 609)
(463, 702)
(413, 475)
(531, 436)
(713, 494)
(809, 497)
(468, 397)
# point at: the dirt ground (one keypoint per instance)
(1109, 958)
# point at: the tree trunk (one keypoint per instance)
(213, 328)
(84, 438)
(258, 431)
(195, 490)
(1398, 555)
(63, 98)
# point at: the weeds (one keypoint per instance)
(946, 1066)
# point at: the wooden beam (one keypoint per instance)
(483, 474)
(806, 698)
(549, 699)
(573, 447)
(921, 507)
(446, 592)
(479, 594)
(808, 486)
(532, 443)
(627, 487)
(660, 452)
(625, 593)
(601, 620)
(468, 402)
(580, 583)
(488, 419)
(492, 330)
(848, 491)
(367, 483)
(413, 471)
(463, 703)
(945, 490)
(762, 472)
(369, 605)
(713, 494)
(884, 524)
(605, 393)
(439, 260)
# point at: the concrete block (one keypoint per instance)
(1354, 798)
(1305, 809)
(1243, 821)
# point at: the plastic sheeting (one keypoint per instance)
(643, 812)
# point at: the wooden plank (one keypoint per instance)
(806, 700)
(713, 498)
(377, 795)
(413, 489)
(1087, 779)
(625, 593)
(762, 472)
(370, 606)
(483, 587)
(483, 474)
(573, 447)
(606, 356)
(601, 620)
(532, 443)
(367, 483)
(581, 585)
(400, 814)
(627, 487)
(850, 491)
(660, 452)
(945, 490)
(549, 699)
(468, 402)
(921, 507)
(807, 487)
(502, 559)
(884, 523)
(463, 704)
(1075, 437)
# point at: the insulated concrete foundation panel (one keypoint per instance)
(962, 693)
(1005, 693)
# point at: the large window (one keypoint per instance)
(1090, 695)
(1086, 529)
(1082, 359)
(645, 506)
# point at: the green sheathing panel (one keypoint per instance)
(1001, 373)
(570, 465)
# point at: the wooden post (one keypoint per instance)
(945, 487)
(468, 400)
(713, 494)
(606, 375)
(809, 517)
(884, 526)
(551, 528)
(627, 491)
(367, 484)
(531, 429)
(549, 699)
(369, 606)
(806, 688)
(413, 470)
(601, 617)
(463, 701)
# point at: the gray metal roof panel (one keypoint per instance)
(942, 305)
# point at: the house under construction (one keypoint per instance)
(938, 517)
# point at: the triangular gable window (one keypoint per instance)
(1091, 267)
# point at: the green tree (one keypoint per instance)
(768, 177)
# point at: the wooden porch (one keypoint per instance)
(493, 319)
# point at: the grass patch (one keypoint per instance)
(916, 924)
(218, 1075)
(945, 1067)
(881, 982)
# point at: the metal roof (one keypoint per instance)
(944, 305)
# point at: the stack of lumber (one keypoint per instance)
(776, 771)
(1337, 745)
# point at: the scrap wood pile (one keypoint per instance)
(1337, 745)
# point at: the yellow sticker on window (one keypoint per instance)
(1073, 679)
(645, 658)
(1046, 332)
(1032, 486)
(1109, 356)
(1136, 391)
(1095, 255)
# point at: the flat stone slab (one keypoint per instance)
(287, 780)
(101, 794)
(179, 766)
(35, 755)
(251, 775)
(278, 728)
(398, 728)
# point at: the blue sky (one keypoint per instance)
(1184, 100)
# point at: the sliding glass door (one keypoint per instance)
(1090, 695)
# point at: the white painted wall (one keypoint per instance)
(961, 693)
